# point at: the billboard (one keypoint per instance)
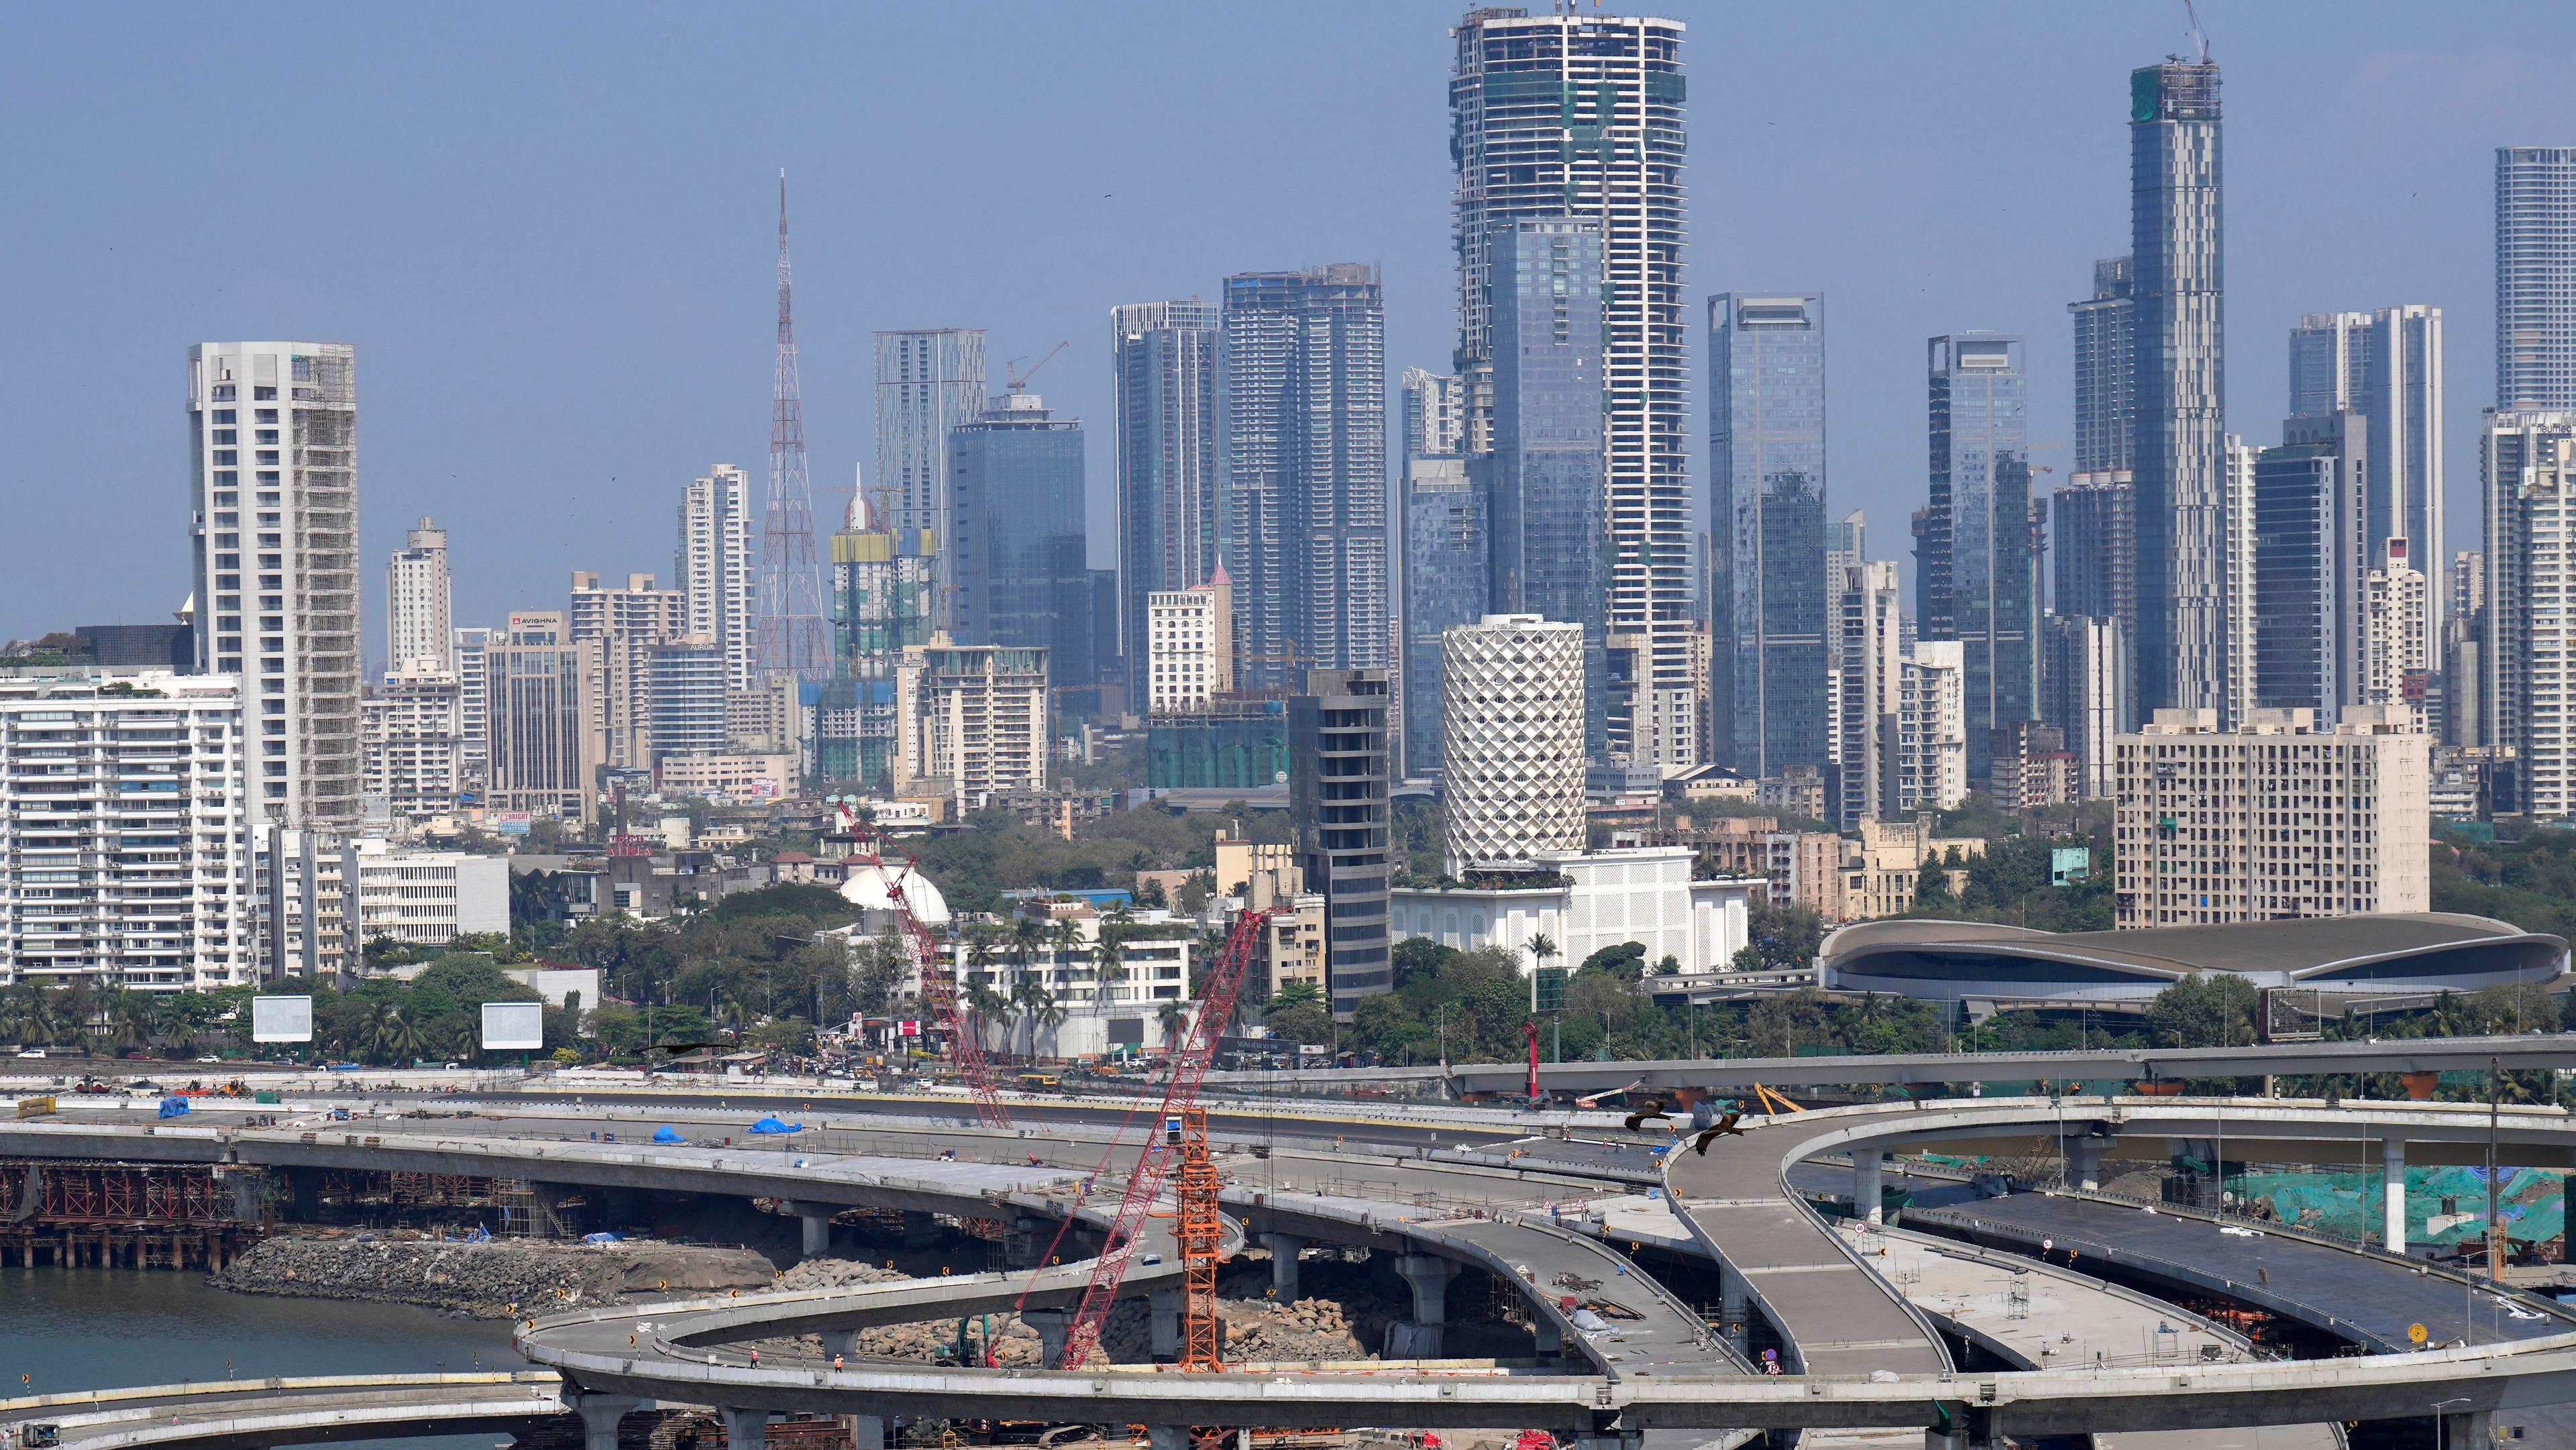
(510, 823)
(281, 1019)
(513, 1026)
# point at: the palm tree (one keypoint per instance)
(1111, 968)
(1298, 993)
(397, 1037)
(1033, 999)
(1070, 949)
(124, 1023)
(1174, 1014)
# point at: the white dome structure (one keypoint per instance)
(866, 889)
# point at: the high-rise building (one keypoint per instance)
(2106, 367)
(273, 429)
(2396, 669)
(473, 705)
(1435, 413)
(2083, 685)
(2330, 360)
(1581, 114)
(1512, 761)
(639, 608)
(1337, 792)
(1766, 427)
(2310, 566)
(1305, 469)
(1976, 578)
(1448, 580)
(420, 619)
(2535, 269)
(1551, 549)
(929, 380)
(1931, 727)
(974, 719)
(714, 569)
(2238, 621)
(2177, 289)
(2464, 680)
(1163, 367)
(2094, 559)
(1189, 645)
(130, 833)
(413, 728)
(619, 628)
(543, 757)
(2386, 366)
(1020, 565)
(1869, 655)
(881, 582)
(2530, 689)
(2280, 818)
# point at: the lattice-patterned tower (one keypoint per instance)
(792, 634)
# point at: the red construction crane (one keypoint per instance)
(1202, 1240)
(1223, 983)
(938, 985)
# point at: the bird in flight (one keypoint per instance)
(1723, 1127)
(1650, 1113)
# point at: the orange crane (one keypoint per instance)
(938, 985)
(1202, 1237)
(1217, 993)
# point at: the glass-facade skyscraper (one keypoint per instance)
(928, 381)
(2106, 368)
(1303, 494)
(1766, 450)
(2178, 290)
(1551, 551)
(1020, 561)
(2535, 269)
(1976, 579)
(1448, 562)
(1163, 383)
(1581, 114)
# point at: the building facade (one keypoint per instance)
(1338, 781)
(1435, 413)
(1931, 727)
(1581, 114)
(1513, 756)
(420, 617)
(273, 439)
(2280, 818)
(1640, 894)
(2535, 270)
(1448, 580)
(1163, 386)
(881, 583)
(928, 381)
(1767, 528)
(2310, 566)
(543, 757)
(413, 727)
(1976, 572)
(1869, 670)
(2083, 693)
(2106, 367)
(714, 569)
(474, 705)
(1189, 645)
(1022, 574)
(2386, 366)
(974, 717)
(2531, 593)
(130, 831)
(1304, 487)
(2396, 669)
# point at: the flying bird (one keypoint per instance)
(1723, 1127)
(1651, 1112)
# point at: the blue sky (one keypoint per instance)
(549, 228)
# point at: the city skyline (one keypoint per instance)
(707, 304)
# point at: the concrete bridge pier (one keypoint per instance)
(1054, 1326)
(843, 1342)
(1734, 1307)
(1165, 1306)
(1167, 1437)
(599, 1416)
(1551, 1339)
(867, 1432)
(2084, 1162)
(920, 1229)
(1866, 1164)
(2392, 1170)
(816, 1221)
(1284, 1249)
(2469, 1430)
(1024, 1240)
(744, 1429)
(1428, 1275)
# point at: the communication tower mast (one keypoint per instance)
(792, 636)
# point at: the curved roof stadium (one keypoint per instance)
(1949, 961)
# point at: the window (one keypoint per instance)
(261, 395)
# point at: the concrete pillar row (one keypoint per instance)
(744, 1429)
(599, 1416)
(2392, 1168)
(1284, 1249)
(1866, 1163)
(1054, 1326)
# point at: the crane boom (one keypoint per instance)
(965, 1047)
(1217, 993)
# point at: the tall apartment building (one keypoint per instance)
(929, 380)
(544, 757)
(2094, 562)
(1435, 413)
(2279, 818)
(1976, 572)
(973, 717)
(1305, 469)
(2395, 599)
(714, 568)
(1513, 757)
(1163, 386)
(1021, 572)
(2176, 287)
(1581, 114)
(420, 617)
(2535, 269)
(1766, 450)
(1448, 580)
(2238, 622)
(881, 583)
(330, 894)
(2083, 692)
(619, 629)
(2106, 369)
(2531, 605)
(2311, 564)
(1550, 547)
(2464, 700)
(2386, 366)
(130, 831)
(1931, 727)
(413, 726)
(473, 705)
(1189, 644)
(273, 437)
(1869, 667)
(1337, 794)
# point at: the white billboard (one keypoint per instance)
(513, 1026)
(281, 1019)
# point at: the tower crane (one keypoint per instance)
(965, 1046)
(1019, 381)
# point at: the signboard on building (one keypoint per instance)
(2069, 864)
(513, 1026)
(908, 1027)
(510, 823)
(281, 1019)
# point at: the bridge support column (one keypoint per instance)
(1428, 1276)
(1284, 1249)
(920, 1230)
(843, 1342)
(2084, 1162)
(1734, 1308)
(1551, 1339)
(1024, 1241)
(599, 1416)
(1053, 1327)
(816, 1221)
(1865, 1194)
(1167, 1437)
(2473, 1430)
(2392, 1170)
(744, 1429)
(868, 1432)
(1165, 1306)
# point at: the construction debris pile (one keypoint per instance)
(1310, 1329)
(484, 1279)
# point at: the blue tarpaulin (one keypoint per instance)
(772, 1125)
(668, 1134)
(602, 1238)
(174, 1107)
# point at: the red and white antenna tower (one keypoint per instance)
(791, 581)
